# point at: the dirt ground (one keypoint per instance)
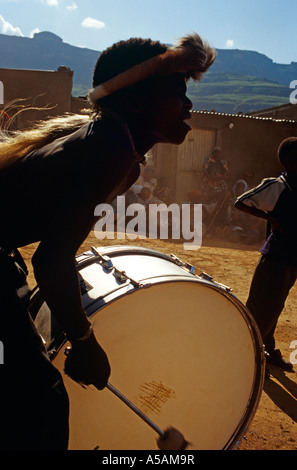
(274, 426)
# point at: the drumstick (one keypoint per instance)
(135, 409)
(171, 439)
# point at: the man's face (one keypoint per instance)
(168, 109)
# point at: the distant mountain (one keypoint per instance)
(244, 81)
(47, 51)
(238, 80)
(255, 64)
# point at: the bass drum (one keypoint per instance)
(182, 348)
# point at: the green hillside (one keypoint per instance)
(233, 93)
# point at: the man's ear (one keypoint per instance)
(133, 103)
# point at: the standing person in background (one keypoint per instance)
(215, 175)
(274, 200)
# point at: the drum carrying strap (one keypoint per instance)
(13, 272)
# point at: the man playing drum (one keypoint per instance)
(51, 179)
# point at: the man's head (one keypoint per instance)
(287, 154)
(145, 193)
(131, 65)
(216, 153)
(117, 59)
(144, 81)
(148, 173)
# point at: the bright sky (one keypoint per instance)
(266, 26)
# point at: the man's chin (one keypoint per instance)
(176, 137)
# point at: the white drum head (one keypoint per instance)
(184, 354)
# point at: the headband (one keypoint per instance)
(192, 56)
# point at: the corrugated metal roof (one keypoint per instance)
(243, 116)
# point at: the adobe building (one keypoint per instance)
(248, 143)
(285, 111)
(44, 92)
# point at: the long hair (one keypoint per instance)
(14, 145)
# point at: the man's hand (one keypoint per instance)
(87, 363)
(172, 440)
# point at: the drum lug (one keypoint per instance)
(176, 260)
(104, 260)
(121, 276)
(189, 267)
(206, 277)
(223, 286)
(106, 263)
(209, 278)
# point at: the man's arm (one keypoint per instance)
(55, 269)
(56, 274)
(260, 201)
(252, 210)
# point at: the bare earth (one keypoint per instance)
(274, 426)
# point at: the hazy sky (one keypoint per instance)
(266, 26)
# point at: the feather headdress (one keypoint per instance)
(192, 56)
